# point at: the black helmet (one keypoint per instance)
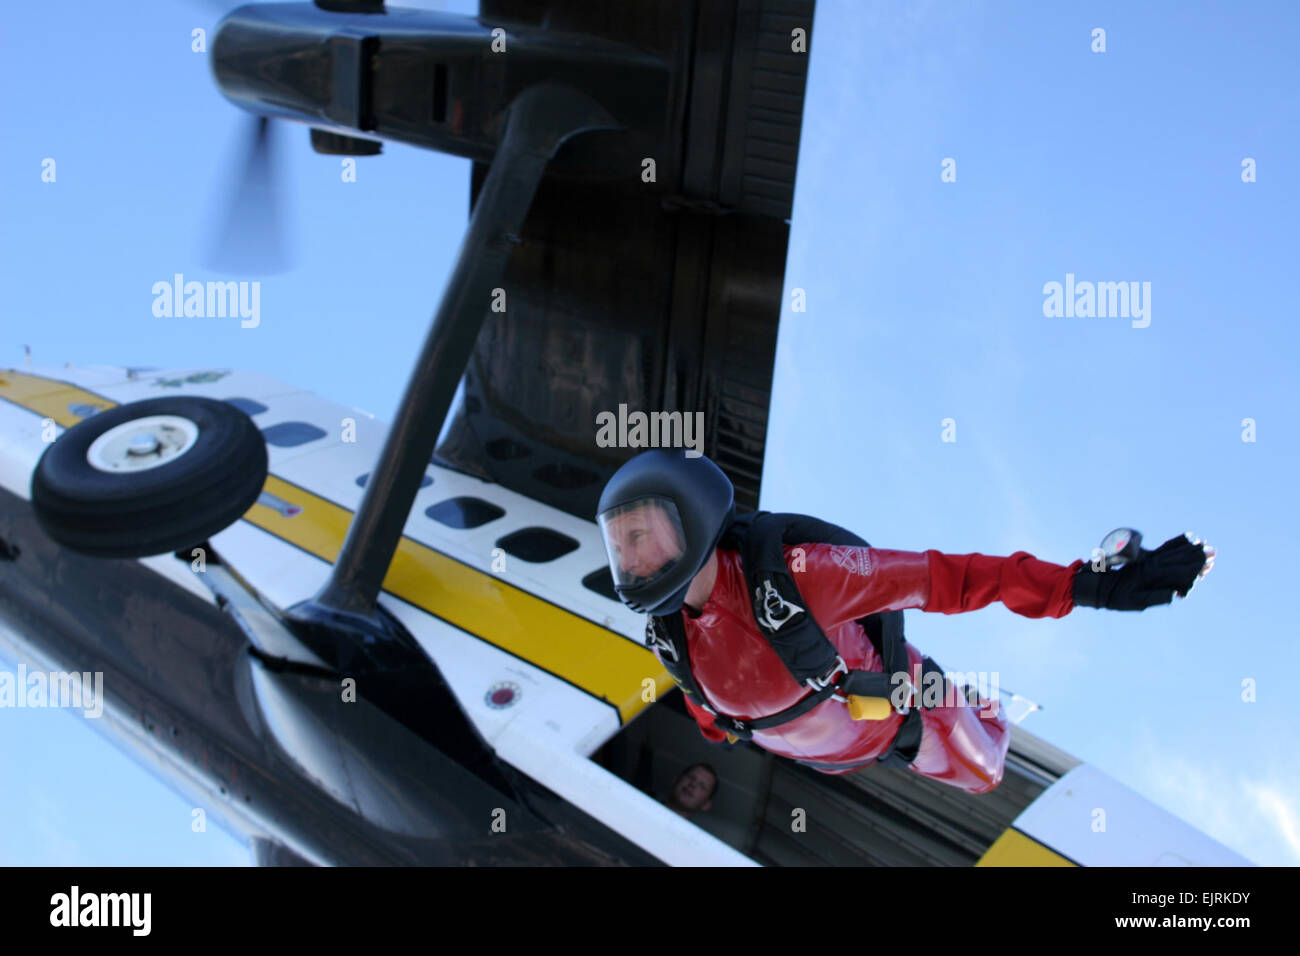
(661, 516)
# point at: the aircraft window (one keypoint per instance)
(506, 449)
(565, 476)
(464, 512)
(289, 434)
(247, 405)
(425, 482)
(537, 544)
(602, 582)
(440, 93)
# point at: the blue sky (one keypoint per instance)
(924, 303)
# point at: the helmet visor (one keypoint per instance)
(644, 540)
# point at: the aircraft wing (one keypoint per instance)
(658, 296)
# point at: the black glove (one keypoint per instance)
(1153, 578)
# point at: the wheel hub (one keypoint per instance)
(142, 444)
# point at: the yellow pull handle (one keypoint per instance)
(869, 708)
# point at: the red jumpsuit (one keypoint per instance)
(741, 676)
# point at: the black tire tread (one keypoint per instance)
(161, 510)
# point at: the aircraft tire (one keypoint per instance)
(216, 470)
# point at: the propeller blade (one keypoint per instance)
(251, 240)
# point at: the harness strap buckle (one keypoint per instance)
(662, 643)
(772, 610)
(821, 683)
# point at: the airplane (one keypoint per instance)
(388, 649)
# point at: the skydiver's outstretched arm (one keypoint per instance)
(844, 583)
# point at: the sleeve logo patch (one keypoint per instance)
(853, 560)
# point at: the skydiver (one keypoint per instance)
(665, 517)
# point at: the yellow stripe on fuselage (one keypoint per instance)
(594, 659)
(1013, 848)
(47, 397)
(602, 663)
